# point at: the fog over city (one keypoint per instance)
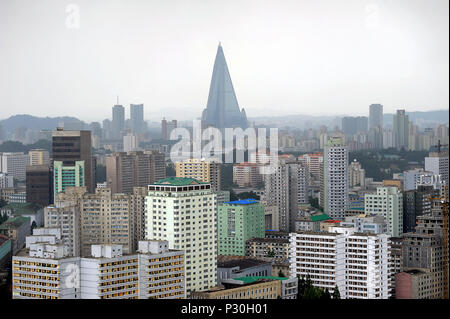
(60, 58)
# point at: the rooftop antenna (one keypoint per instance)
(117, 100)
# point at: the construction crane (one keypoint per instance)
(439, 145)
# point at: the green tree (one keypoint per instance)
(270, 254)
(280, 274)
(336, 293)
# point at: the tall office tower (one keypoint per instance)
(362, 124)
(202, 170)
(401, 129)
(423, 251)
(237, 222)
(39, 157)
(313, 161)
(437, 162)
(106, 130)
(67, 176)
(222, 110)
(14, 164)
(286, 188)
(106, 218)
(388, 201)
(356, 174)
(335, 178)
(66, 216)
(70, 147)
(134, 169)
(417, 202)
(375, 116)
(353, 125)
(183, 212)
(333, 259)
(118, 122)
(167, 127)
(39, 183)
(247, 175)
(137, 118)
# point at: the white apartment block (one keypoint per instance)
(388, 202)
(183, 212)
(108, 274)
(44, 271)
(438, 164)
(335, 185)
(161, 271)
(357, 175)
(358, 264)
(14, 164)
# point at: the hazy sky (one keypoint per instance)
(285, 57)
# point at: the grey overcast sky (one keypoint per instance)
(285, 56)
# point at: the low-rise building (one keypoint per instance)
(275, 249)
(17, 229)
(230, 267)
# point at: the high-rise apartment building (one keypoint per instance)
(167, 127)
(287, 187)
(356, 175)
(437, 162)
(423, 250)
(137, 118)
(417, 202)
(357, 264)
(6, 181)
(401, 129)
(202, 170)
(247, 175)
(70, 147)
(39, 157)
(388, 202)
(134, 169)
(14, 164)
(314, 162)
(237, 222)
(118, 122)
(334, 188)
(183, 212)
(105, 217)
(375, 116)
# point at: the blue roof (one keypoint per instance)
(243, 201)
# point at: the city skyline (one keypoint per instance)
(375, 53)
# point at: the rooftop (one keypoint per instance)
(15, 221)
(252, 279)
(242, 263)
(243, 202)
(320, 217)
(178, 181)
(23, 208)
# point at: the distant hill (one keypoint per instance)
(39, 123)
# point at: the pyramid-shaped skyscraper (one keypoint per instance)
(222, 110)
